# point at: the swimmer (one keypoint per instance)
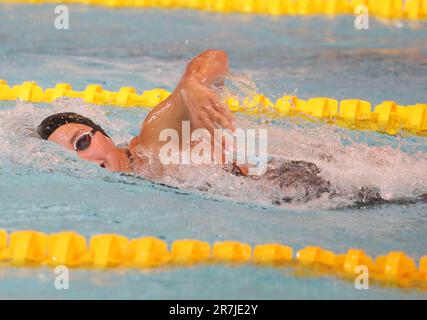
(193, 100)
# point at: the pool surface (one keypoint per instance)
(43, 188)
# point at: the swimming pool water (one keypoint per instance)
(148, 48)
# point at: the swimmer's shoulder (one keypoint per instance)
(134, 158)
(132, 147)
(130, 150)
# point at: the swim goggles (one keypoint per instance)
(84, 140)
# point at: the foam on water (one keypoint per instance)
(396, 167)
(397, 175)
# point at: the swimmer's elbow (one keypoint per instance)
(215, 54)
(207, 66)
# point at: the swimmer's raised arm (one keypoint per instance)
(192, 100)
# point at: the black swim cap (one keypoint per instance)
(53, 122)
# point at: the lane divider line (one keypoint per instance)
(387, 117)
(389, 9)
(33, 248)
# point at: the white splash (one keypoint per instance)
(343, 158)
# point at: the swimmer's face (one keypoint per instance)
(101, 150)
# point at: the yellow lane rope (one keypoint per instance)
(395, 9)
(387, 117)
(33, 248)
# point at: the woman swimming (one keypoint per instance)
(193, 100)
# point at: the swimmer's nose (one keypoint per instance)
(100, 163)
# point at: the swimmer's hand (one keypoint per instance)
(204, 109)
(202, 105)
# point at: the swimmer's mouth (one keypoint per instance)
(102, 165)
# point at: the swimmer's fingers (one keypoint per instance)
(224, 112)
(221, 120)
(209, 125)
(205, 110)
(194, 112)
(220, 107)
(208, 122)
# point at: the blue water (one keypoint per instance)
(149, 48)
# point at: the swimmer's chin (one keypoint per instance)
(113, 163)
(113, 168)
